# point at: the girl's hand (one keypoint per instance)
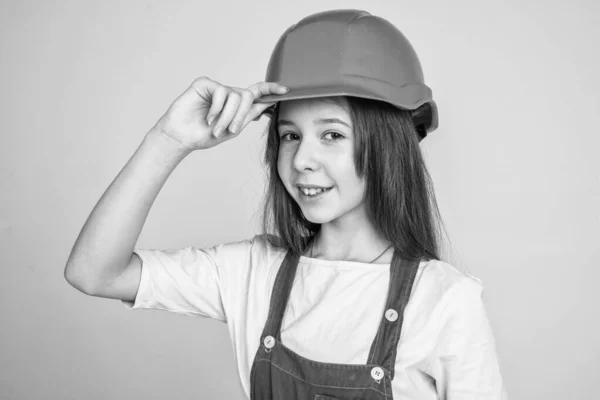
(209, 113)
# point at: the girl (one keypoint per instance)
(344, 295)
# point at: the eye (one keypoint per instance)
(333, 136)
(289, 136)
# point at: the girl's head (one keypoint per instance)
(351, 123)
(366, 154)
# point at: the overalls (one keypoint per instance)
(278, 373)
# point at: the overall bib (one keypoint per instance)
(278, 373)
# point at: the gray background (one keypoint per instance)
(514, 163)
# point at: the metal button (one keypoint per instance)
(377, 373)
(269, 342)
(391, 315)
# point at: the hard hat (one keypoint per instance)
(351, 53)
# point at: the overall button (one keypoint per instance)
(377, 373)
(391, 315)
(269, 342)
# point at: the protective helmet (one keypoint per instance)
(351, 53)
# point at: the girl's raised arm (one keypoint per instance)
(102, 262)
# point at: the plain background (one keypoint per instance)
(514, 162)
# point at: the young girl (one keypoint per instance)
(344, 295)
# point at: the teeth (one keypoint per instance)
(311, 191)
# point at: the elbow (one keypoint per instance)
(74, 279)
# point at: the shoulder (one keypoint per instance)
(444, 276)
(269, 243)
(439, 286)
(256, 250)
(268, 246)
(257, 243)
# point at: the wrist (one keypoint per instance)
(166, 150)
(168, 145)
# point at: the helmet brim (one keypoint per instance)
(336, 90)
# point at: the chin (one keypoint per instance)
(319, 221)
(318, 217)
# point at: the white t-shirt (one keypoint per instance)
(446, 349)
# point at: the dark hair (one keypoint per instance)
(400, 198)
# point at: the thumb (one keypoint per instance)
(257, 110)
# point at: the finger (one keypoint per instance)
(219, 95)
(204, 86)
(239, 119)
(260, 89)
(231, 106)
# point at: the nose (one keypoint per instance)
(306, 156)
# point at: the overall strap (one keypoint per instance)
(384, 347)
(280, 294)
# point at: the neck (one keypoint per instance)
(354, 240)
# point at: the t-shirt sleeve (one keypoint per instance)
(465, 364)
(187, 281)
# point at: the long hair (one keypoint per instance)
(399, 198)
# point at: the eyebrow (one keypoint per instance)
(322, 121)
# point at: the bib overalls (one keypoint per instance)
(278, 373)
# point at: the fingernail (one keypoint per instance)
(217, 131)
(234, 128)
(210, 120)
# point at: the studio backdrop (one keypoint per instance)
(514, 163)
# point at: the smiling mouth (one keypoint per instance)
(313, 191)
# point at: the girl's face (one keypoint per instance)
(316, 159)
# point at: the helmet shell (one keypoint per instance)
(350, 53)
